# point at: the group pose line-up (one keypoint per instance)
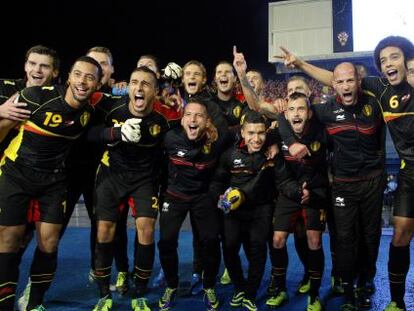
(249, 171)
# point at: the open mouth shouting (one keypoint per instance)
(139, 101)
(224, 84)
(347, 98)
(191, 87)
(392, 75)
(297, 124)
(192, 131)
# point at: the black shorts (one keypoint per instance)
(29, 194)
(115, 189)
(287, 212)
(404, 195)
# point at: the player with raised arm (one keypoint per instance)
(395, 97)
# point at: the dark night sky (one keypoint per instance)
(173, 30)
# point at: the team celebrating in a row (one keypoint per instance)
(248, 171)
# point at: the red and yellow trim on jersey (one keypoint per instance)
(105, 158)
(390, 116)
(14, 146)
(2, 162)
(32, 127)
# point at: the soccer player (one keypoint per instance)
(103, 56)
(129, 172)
(192, 151)
(397, 104)
(84, 159)
(249, 177)
(41, 68)
(33, 168)
(354, 124)
(312, 172)
(225, 80)
(194, 83)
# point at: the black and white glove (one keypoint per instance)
(131, 130)
(172, 71)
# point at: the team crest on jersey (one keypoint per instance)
(242, 119)
(84, 118)
(237, 111)
(155, 129)
(367, 110)
(315, 146)
(206, 149)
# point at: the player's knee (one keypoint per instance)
(279, 241)
(402, 237)
(48, 243)
(146, 233)
(314, 239)
(314, 243)
(10, 240)
(106, 232)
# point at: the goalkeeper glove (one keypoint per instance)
(172, 72)
(131, 130)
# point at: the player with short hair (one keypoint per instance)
(129, 172)
(394, 95)
(33, 168)
(249, 177)
(311, 172)
(192, 152)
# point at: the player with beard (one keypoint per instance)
(84, 159)
(311, 172)
(194, 82)
(192, 151)
(354, 124)
(129, 172)
(300, 85)
(33, 168)
(168, 103)
(394, 95)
